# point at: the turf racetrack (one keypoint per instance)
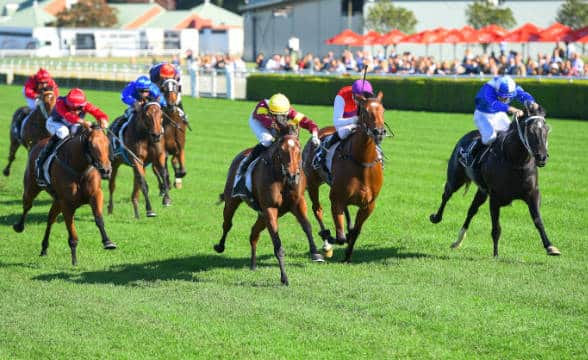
(164, 293)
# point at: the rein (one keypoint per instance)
(523, 136)
(92, 163)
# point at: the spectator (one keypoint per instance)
(260, 61)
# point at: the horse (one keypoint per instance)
(80, 161)
(31, 131)
(277, 188)
(507, 171)
(140, 145)
(174, 132)
(357, 175)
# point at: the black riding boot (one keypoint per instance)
(472, 152)
(321, 155)
(240, 189)
(48, 149)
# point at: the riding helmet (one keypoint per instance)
(76, 98)
(142, 83)
(505, 87)
(279, 104)
(167, 70)
(42, 75)
(360, 87)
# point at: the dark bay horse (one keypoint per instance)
(357, 174)
(278, 188)
(79, 164)
(142, 146)
(33, 130)
(507, 172)
(174, 132)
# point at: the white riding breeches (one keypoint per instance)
(263, 135)
(60, 129)
(345, 126)
(490, 124)
(31, 103)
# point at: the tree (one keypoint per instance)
(383, 16)
(87, 13)
(573, 13)
(482, 13)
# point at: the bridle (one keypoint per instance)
(90, 157)
(156, 135)
(523, 132)
(288, 178)
(377, 133)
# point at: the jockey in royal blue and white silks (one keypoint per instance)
(141, 90)
(492, 106)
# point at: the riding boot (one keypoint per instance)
(47, 150)
(182, 112)
(472, 153)
(321, 155)
(240, 188)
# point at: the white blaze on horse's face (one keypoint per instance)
(291, 143)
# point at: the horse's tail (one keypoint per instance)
(221, 199)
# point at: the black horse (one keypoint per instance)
(506, 172)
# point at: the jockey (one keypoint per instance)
(137, 92)
(35, 86)
(164, 71)
(261, 120)
(492, 106)
(65, 119)
(344, 116)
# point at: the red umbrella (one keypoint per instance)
(555, 32)
(491, 34)
(525, 33)
(371, 38)
(346, 37)
(576, 35)
(470, 34)
(392, 37)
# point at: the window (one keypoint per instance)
(85, 42)
(356, 7)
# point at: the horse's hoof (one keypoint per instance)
(178, 183)
(166, 201)
(328, 253)
(218, 248)
(151, 213)
(284, 281)
(435, 219)
(317, 258)
(6, 172)
(43, 253)
(553, 251)
(341, 241)
(109, 245)
(18, 227)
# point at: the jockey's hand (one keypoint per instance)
(86, 124)
(103, 123)
(316, 142)
(137, 106)
(517, 112)
(534, 106)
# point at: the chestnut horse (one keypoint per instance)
(29, 133)
(277, 188)
(357, 175)
(142, 146)
(80, 161)
(174, 132)
(507, 171)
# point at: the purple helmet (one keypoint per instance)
(361, 86)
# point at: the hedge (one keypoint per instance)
(561, 98)
(83, 83)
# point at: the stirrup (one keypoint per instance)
(240, 188)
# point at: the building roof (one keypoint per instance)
(30, 14)
(219, 15)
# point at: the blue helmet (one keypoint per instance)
(505, 87)
(142, 83)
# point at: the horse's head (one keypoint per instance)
(97, 150)
(533, 131)
(170, 89)
(152, 120)
(289, 157)
(371, 117)
(48, 98)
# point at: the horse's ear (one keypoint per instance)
(360, 99)
(380, 96)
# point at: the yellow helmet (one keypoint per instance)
(279, 104)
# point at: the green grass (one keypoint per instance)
(164, 293)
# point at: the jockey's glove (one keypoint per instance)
(517, 112)
(103, 123)
(315, 141)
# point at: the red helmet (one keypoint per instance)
(76, 98)
(167, 70)
(42, 75)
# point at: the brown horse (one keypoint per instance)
(142, 145)
(33, 130)
(357, 174)
(508, 171)
(75, 175)
(277, 188)
(174, 131)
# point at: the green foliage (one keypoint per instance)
(561, 98)
(573, 13)
(165, 294)
(87, 13)
(383, 16)
(483, 12)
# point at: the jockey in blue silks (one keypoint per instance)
(137, 92)
(492, 106)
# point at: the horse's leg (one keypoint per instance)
(338, 210)
(350, 226)
(271, 218)
(479, 199)
(181, 169)
(231, 205)
(68, 216)
(160, 171)
(96, 205)
(30, 192)
(496, 230)
(533, 203)
(141, 183)
(317, 210)
(360, 218)
(256, 229)
(300, 212)
(14, 144)
(53, 212)
(159, 180)
(456, 177)
(112, 186)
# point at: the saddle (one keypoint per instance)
(249, 199)
(42, 165)
(18, 123)
(473, 169)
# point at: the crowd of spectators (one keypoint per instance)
(561, 62)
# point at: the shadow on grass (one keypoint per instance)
(376, 254)
(18, 201)
(32, 218)
(169, 269)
